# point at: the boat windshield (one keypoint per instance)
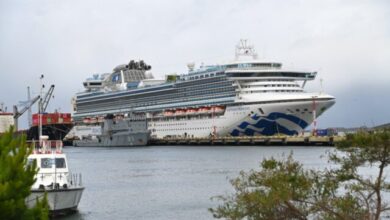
(49, 162)
(31, 161)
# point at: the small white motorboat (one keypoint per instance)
(63, 189)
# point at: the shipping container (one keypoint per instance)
(52, 118)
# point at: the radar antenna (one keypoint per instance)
(244, 49)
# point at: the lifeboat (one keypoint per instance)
(180, 112)
(93, 120)
(217, 109)
(86, 120)
(100, 119)
(204, 110)
(168, 113)
(192, 111)
(119, 117)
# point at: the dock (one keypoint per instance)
(251, 140)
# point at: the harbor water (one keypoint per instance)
(167, 182)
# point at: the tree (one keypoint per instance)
(365, 149)
(285, 190)
(16, 179)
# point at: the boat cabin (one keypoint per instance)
(52, 164)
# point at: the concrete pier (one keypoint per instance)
(250, 140)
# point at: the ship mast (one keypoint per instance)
(40, 109)
(244, 49)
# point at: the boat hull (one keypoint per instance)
(116, 140)
(61, 201)
(54, 131)
(286, 118)
(289, 117)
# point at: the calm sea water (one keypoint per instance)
(167, 182)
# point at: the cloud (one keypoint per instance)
(348, 42)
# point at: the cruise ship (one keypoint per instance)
(247, 96)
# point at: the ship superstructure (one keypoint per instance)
(247, 96)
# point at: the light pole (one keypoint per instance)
(314, 131)
(40, 110)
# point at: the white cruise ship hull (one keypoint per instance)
(288, 117)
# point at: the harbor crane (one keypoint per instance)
(17, 113)
(43, 103)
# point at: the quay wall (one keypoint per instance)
(250, 140)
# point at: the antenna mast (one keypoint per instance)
(40, 110)
(314, 111)
(244, 49)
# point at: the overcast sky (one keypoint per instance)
(347, 42)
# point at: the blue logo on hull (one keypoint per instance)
(268, 125)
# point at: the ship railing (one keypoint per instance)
(45, 146)
(253, 68)
(75, 179)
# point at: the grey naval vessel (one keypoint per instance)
(118, 131)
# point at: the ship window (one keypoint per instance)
(60, 163)
(116, 78)
(95, 84)
(31, 161)
(48, 162)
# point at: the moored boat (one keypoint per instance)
(62, 188)
(118, 131)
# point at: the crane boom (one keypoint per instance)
(17, 113)
(43, 103)
(29, 113)
(46, 99)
